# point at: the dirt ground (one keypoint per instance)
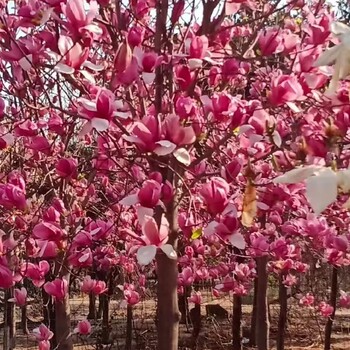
(304, 331)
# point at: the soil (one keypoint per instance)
(304, 330)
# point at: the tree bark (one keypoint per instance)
(183, 306)
(63, 324)
(105, 319)
(196, 321)
(24, 320)
(49, 316)
(128, 341)
(92, 307)
(168, 311)
(236, 323)
(9, 321)
(282, 320)
(252, 339)
(62, 328)
(262, 317)
(333, 302)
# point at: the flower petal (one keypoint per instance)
(297, 175)
(183, 156)
(195, 63)
(64, 69)
(169, 251)
(238, 241)
(164, 148)
(146, 254)
(100, 124)
(148, 78)
(26, 62)
(322, 190)
(132, 199)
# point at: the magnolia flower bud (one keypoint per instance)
(123, 58)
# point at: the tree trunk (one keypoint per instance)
(167, 310)
(183, 306)
(100, 307)
(49, 316)
(333, 302)
(262, 317)
(236, 323)
(63, 325)
(128, 341)
(282, 320)
(24, 320)
(62, 328)
(196, 321)
(92, 307)
(105, 319)
(9, 321)
(252, 339)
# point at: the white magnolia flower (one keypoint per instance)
(321, 185)
(339, 55)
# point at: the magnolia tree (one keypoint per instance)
(150, 137)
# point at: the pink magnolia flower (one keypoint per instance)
(146, 134)
(90, 285)
(289, 280)
(44, 345)
(285, 89)
(149, 194)
(307, 300)
(26, 128)
(33, 14)
(131, 296)
(178, 10)
(67, 168)
(83, 327)
(231, 170)
(136, 35)
(186, 277)
(154, 238)
(39, 144)
(147, 63)
(185, 107)
(198, 47)
(42, 333)
(290, 41)
(48, 231)
(35, 272)
(259, 245)
(80, 16)
(58, 288)
(80, 257)
(123, 58)
(12, 196)
(51, 214)
(73, 55)
(178, 134)
(215, 193)
(344, 300)
(270, 41)
(184, 77)
(55, 124)
(318, 30)
(325, 309)
(6, 276)
(221, 105)
(27, 52)
(196, 298)
(20, 297)
(243, 272)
